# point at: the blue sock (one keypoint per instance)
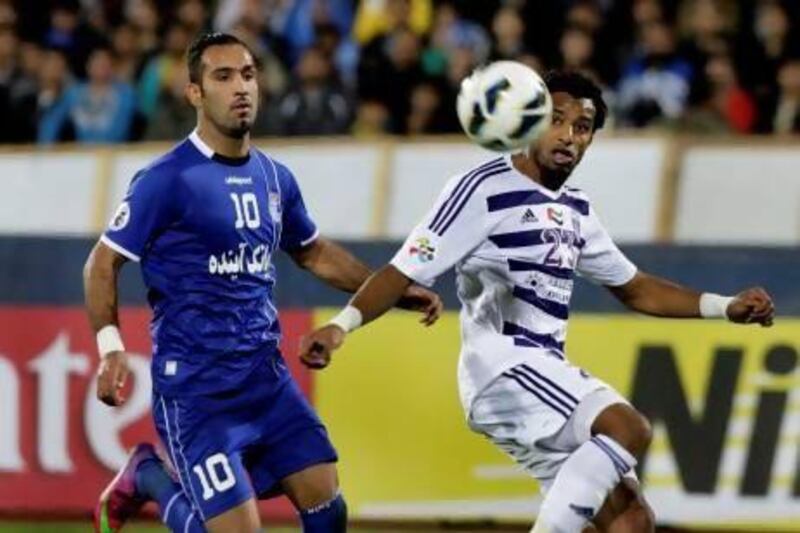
(176, 510)
(329, 517)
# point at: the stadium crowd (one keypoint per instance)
(113, 70)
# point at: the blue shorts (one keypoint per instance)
(233, 446)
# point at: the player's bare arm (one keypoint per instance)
(656, 296)
(100, 276)
(340, 269)
(382, 291)
(332, 264)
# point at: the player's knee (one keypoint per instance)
(626, 426)
(314, 495)
(241, 519)
(637, 519)
(638, 435)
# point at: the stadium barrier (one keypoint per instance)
(646, 188)
(724, 399)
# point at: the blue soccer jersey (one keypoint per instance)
(205, 229)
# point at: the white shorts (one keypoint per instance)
(541, 411)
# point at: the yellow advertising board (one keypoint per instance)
(724, 401)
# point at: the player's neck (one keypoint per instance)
(223, 144)
(528, 167)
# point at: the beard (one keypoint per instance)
(553, 176)
(238, 129)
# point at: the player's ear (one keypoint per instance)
(194, 93)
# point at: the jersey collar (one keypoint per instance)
(207, 151)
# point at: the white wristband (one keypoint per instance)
(348, 319)
(109, 340)
(714, 305)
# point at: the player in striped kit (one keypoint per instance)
(517, 235)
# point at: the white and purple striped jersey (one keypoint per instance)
(516, 246)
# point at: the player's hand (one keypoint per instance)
(316, 348)
(111, 378)
(752, 306)
(420, 299)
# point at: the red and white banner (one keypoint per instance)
(59, 446)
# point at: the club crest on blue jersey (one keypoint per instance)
(275, 206)
(121, 217)
(423, 250)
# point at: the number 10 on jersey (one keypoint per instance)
(246, 207)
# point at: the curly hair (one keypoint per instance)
(579, 86)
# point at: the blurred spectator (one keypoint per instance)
(724, 106)
(341, 52)
(21, 88)
(588, 17)
(375, 18)
(508, 31)
(775, 40)
(305, 17)
(706, 65)
(10, 80)
(388, 71)
(30, 56)
(577, 51)
(772, 28)
(192, 15)
(143, 16)
(159, 71)
(8, 15)
(372, 119)
(174, 118)
(706, 26)
(429, 113)
(648, 12)
(98, 110)
(126, 50)
(315, 105)
(68, 33)
(655, 83)
(52, 79)
(450, 32)
(461, 63)
(781, 113)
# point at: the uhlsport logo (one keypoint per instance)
(423, 250)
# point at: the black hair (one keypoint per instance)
(194, 56)
(579, 86)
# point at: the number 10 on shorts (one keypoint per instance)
(218, 472)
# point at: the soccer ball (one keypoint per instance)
(504, 106)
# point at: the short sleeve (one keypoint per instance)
(600, 260)
(298, 228)
(143, 213)
(455, 225)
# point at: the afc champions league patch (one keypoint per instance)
(423, 250)
(275, 209)
(121, 217)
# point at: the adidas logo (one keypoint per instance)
(529, 217)
(585, 512)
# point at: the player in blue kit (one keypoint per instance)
(205, 221)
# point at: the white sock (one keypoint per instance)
(582, 484)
